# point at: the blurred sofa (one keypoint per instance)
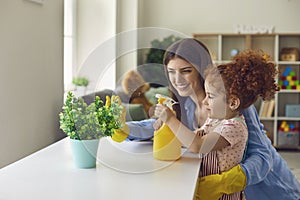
(134, 112)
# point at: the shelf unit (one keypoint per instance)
(221, 45)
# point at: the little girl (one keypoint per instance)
(229, 88)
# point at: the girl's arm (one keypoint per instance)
(212, 142)
(188, 138)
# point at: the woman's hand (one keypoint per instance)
(228, 182)
(163, 112)
(122, 133)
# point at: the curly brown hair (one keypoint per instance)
(248, 76)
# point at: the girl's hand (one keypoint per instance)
(163, 112)
(157, 124)
(200, 132)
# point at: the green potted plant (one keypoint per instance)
(81, 84)
(80, 81)
(86, 124)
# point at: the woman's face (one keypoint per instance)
(184, 77)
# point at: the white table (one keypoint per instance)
(124, 171)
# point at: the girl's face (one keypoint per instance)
(183, 77)
(215, 100)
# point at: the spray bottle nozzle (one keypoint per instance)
(165, 100)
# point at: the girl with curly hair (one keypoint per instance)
(230, 88)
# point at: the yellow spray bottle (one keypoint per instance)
(165, 144)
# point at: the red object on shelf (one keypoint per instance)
(283, 87)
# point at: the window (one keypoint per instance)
(69, 44)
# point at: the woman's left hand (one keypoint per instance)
(163, 112)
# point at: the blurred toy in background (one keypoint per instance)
(284, 126)
(288, 135)
(233, 52)
(289, 54)
(135, 88)
(289, 80)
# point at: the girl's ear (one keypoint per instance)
(234, 103)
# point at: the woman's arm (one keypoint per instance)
(258, 161)
(141, 130)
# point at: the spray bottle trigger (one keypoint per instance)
(165, 100)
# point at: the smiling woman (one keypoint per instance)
(183, 76)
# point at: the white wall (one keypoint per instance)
(219, 16)
(31, 76)
(101, 24)
(185, 17)
(96, 22)
(127, 22)
(96, 27)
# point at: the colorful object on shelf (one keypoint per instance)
(233, 52)
(289, 54)
(288, 134)
(288, 80)
(285, 127)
